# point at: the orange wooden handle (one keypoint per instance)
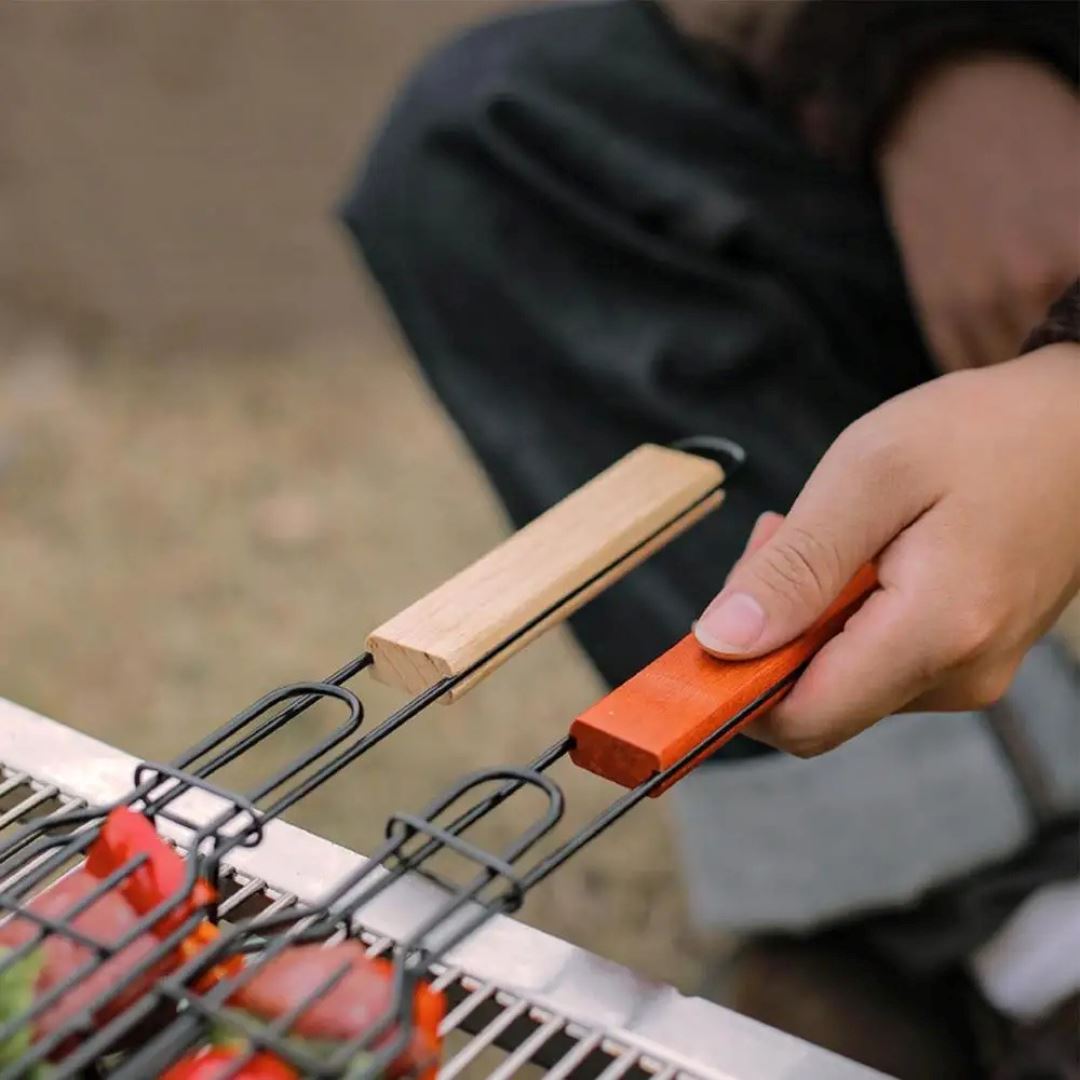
(684, 695)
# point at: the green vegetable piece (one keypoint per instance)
(231, 1031)
(17, 987)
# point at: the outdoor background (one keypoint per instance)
(218, 469)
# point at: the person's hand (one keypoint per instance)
(966, 491)
(981, 177)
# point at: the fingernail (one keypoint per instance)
(731, 623)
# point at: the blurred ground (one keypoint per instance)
(217, 469)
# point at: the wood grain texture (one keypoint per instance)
(646, 498)
(649, 722)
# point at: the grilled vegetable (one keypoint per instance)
(355, 1004)
(16, 997)
(55, 955)
(215, 1062)
(52, 960)
(124, 837)
(202, 937)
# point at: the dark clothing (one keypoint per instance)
(592, 241)
(592, 238)
(839, 70)
(1062, 322)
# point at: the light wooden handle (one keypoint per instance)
(685, 695)
(546, 571)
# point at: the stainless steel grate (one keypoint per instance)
(522, 1003)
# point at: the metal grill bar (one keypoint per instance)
(488, 1036)
(576, 1057)
(528, 1049)
(24, 808)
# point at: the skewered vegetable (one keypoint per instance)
(35, 970)
(216, 1062)
(77, 925)
(359, 999)
(162, 875)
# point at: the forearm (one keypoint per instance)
(980, 176)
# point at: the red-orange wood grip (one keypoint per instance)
(684, 695)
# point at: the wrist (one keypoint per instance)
(984, 90)
(1052, 376)
(1063, 356)
(1061, 364)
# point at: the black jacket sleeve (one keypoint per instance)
(839, 70)
(844, 67)
(1062, 322)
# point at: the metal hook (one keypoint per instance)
(728, 453)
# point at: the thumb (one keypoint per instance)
(843, 518)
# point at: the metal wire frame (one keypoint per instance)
(499, 886)
(40, 850)
(193, 768)
(482, 1015)
(189, 771)
(413, 841)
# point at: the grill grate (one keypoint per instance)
(577, 1015)
(52, 843)
(482, 1017)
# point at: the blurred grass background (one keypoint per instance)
(218, 469)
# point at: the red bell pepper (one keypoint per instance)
(202, 937)
(215, 1062)
(125, 836)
